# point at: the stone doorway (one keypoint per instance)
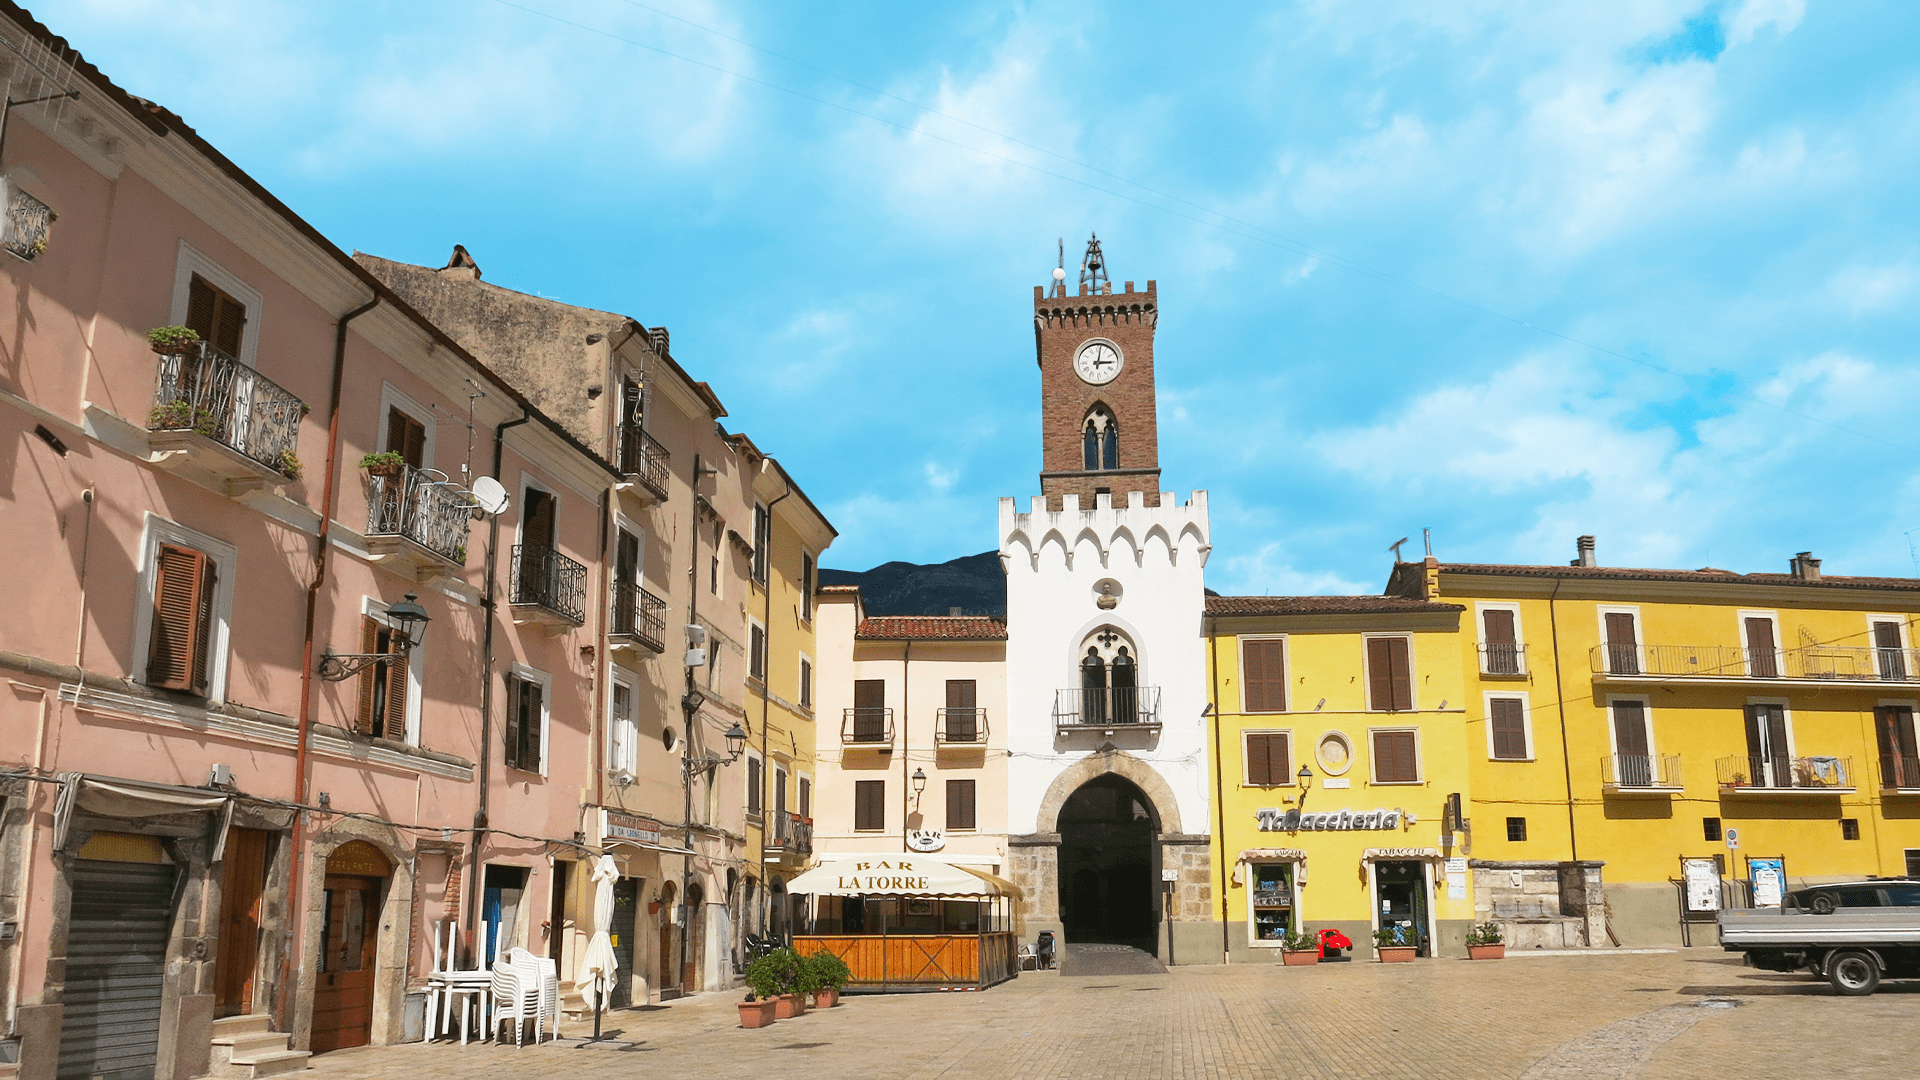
(1109, 848)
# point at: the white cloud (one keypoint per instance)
(940, 479)
(1263, 572)
(1861, 289)
(1752, 16)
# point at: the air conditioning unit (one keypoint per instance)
(696, 657)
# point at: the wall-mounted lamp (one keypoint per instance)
(919, 783)
(1306, 778)
(408, 621)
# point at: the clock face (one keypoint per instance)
(1097, 362)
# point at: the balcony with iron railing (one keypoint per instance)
(224, 419)
(639, 617)
(960, 727)
(1900, 773)
(788, 834)
(867, 726)
(1135, 708)
(1784, 775)
(1653, 773)
(1497, 658)
(1812, 663)
(547, 587)
(644, 460)
(418, 516)
(28, 223)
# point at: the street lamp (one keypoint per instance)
(1306, 778)
(736, 737)
(919, 784)
(408, 621)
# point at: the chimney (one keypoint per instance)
(1806, 567)
(660, 339)
(461, 265)
(1586, 553)
(954, 612)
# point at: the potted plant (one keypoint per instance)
(1390, 944)
(830, 973)
(288, 464)
(1300, 950)
(173, 340)
(182, 415)
(384, 463)
(1485, 942)
(775, 975)
(755, 1011)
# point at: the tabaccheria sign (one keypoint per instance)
(1273, 819)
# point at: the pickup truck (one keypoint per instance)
(1851, 947)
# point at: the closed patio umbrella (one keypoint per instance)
(598, 966)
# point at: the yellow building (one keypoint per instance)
(1340, 732)
(789, 535)
(1632, 718)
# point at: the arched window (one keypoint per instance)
(1109, 679)
(1100, 440)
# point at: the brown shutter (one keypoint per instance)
(1388, 676)
(202, 300)
(1760, 658)
(1499, 626)
(1394, 757)
(806, 797)
(395, 724)
(1499, 642)
(407, 437)
(1623, 658)
(960, 804)
(1508, 718)
(537, 529)
(531, 750)
(179, 575)
(203, 625)
(869, 804)
(753, 786)
(1886, 635)
(1258, 774)
(232, 319)
(1265, 677)
(1630, 728)
(511, 744)
(370, 703)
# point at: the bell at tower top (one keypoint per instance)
(1099, 427)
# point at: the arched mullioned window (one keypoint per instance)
(1109, 678)
(1100, 440)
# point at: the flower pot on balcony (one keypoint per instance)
(755, 1014)
(1486, 952)
(1396, 954)
(1300, 958)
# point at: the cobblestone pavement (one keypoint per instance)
(1674, 1016)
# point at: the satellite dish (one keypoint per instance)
(491, 496)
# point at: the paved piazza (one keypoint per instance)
(1546, 1017)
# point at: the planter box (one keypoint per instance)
(788, 1006)
(1300, 959)
(826, 999)
(1487, 952)
(755, 1014)
(1396, 954)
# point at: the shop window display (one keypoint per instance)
(1273, 915)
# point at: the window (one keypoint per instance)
(1500, 652)
(623, 735)
(1632, 747)
(762, 541)
(869, 805)
(713, 571)
(1516, 829)
(406, 437)
(1763, 657)
(1769, 753)
(754, 783)
(1263, 675)
(962, 714)
(960, 804)
(1710, 829)
(1100, 438)
(1888, 650)
(1268, 757)
(1389, 675)
(806, 585)
(217, 317)
(869, 710)
(537, 578)
(526, 739)
(220, 306)
(1396, 757)
(806, 683)
(1849, 828)
(1893, 729)
(1913, 862)
(806, 797)
(383, 684)
(1271, 903)
(181, 638)
(1623, 641)
(757, 651)
(1507, 729)
(780, 791)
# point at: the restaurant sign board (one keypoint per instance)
(629, 827)
(1276, 820)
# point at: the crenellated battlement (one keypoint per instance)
(1089, 311)
(1170, 534)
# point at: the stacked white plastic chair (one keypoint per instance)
(449, 988)
(526, 987)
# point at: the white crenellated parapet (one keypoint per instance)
(1106, 536)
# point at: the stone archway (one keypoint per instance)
(1109, 861)
(1120, 763)
(391, 946)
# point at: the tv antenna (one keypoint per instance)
(466, 468)
(1395, 548)
(35, 75)
(1060, 271)
(1093, 268)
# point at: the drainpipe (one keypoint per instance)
(488, 605)
(766, 620)
(1566, 761)
(688, 712)
(1219, 787)
(303, 730)
(906, 699)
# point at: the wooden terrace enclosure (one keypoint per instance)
(911, 923)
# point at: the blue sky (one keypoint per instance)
(1512, 271)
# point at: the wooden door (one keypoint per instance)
(343, 997)
(245, 882)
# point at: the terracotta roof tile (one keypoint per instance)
(840, 588)
(1707, 574)
(932, 628)
(1322, 605)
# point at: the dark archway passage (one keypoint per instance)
(1108, 830)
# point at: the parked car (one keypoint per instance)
(1825, 899)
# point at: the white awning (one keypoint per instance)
(1402, 854)
(900, 875)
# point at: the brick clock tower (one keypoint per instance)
(1099, 433)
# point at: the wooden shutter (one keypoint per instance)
(203, 625)
(531, 749)
(1389, 679)
(179, 608)
(757, 652)
(1499, 640)
(215, 316)
(536, 530)
(806, 797)
(1268, 760)
(407, 437)
(1498, 623)
(869, 701)
(1395, 758)
(780, 792)
(394, 724)
(1767, 745)
(370, 695)
(1509, 721)
(1899, 755)
(202, 300)
(963, 718)
(1265, 679)
(1760, 657)
(1623, 656)
(869, 804)
(960, 813)
(754, 783)
(1630, 728)
(511, 743)
(1886, 635)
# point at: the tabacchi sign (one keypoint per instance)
(897, 875)
(1273, 819)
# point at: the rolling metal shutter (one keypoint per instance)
(116, 961)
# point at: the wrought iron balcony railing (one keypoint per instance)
(223, 399)
(1900, 773)
(643, 458)
(867, 727)
(960, 727)
(1498, 658)
(1129, 706)
(1653, 772)
(1813, 662)
(544, 578)
(789, 833)
(639, 615)
(423, 506)
(28, 222)
(1833, 774)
